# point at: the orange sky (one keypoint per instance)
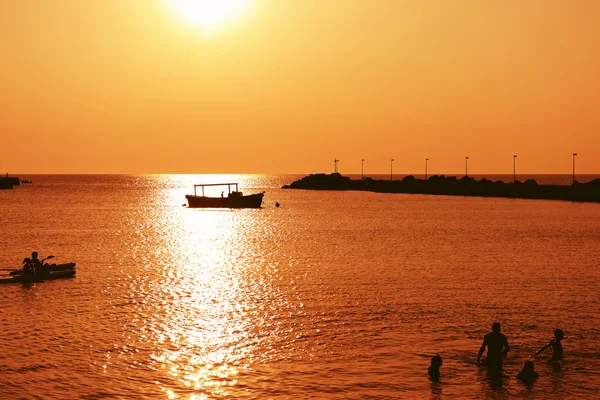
(125, 86)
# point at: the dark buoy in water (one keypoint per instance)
(276, 204)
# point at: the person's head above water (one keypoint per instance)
(34, 255)
(528, 366)
(559, 334)
(496, 327)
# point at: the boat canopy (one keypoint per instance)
(229, 185)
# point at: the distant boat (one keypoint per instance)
(233, 199)
(26, 181)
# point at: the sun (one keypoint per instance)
(209, 14)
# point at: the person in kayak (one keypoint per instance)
(557, 349)
(36, 263)
(497, 345)
(27, 266)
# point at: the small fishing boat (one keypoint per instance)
(47, 276)
(233, 199)
(49, 268)
(26, 181)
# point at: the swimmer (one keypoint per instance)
(434, 368)
(497, 346)
(557, 349)
(528, 374)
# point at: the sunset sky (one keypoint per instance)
(286, 86)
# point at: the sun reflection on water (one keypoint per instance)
(200, 326)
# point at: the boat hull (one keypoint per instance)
(39, 278)
(50, 267)
(249, 201)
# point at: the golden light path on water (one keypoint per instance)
(211, 317)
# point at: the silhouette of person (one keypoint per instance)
(434, 368)
(35, 262)
(27, 267)
(557, 349)
(527, 374)
(497, 346)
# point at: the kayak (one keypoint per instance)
(50, 267)
(40, 278)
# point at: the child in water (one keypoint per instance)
(434, 368)
(557, 349)
(528, 374)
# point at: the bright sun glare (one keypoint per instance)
(209, 14)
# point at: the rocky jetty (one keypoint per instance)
(452, 186)
(7, 182)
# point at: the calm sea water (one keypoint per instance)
(332, 295)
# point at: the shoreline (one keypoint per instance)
(452, 186)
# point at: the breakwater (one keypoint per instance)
(452, 186)
(7, 182)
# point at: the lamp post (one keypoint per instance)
(466, 166)
(427, 159)
(574, 154)
(391, 168)
(362, 169)
(514, 168)
(335, 167)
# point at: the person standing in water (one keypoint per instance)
(557, 349)
(497, 345)
(434, 368)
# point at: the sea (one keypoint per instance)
(331, 295)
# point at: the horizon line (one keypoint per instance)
(295, 173)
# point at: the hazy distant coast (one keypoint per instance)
(452, 186)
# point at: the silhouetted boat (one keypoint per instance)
(26, 181)
(47, 276)
(49, 267)
(233, 199)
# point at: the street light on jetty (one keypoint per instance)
(466, 166)
(574, 154)
(362, 169)
(391, 168)
(335, 167)
(427, 159)
(514, 168)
